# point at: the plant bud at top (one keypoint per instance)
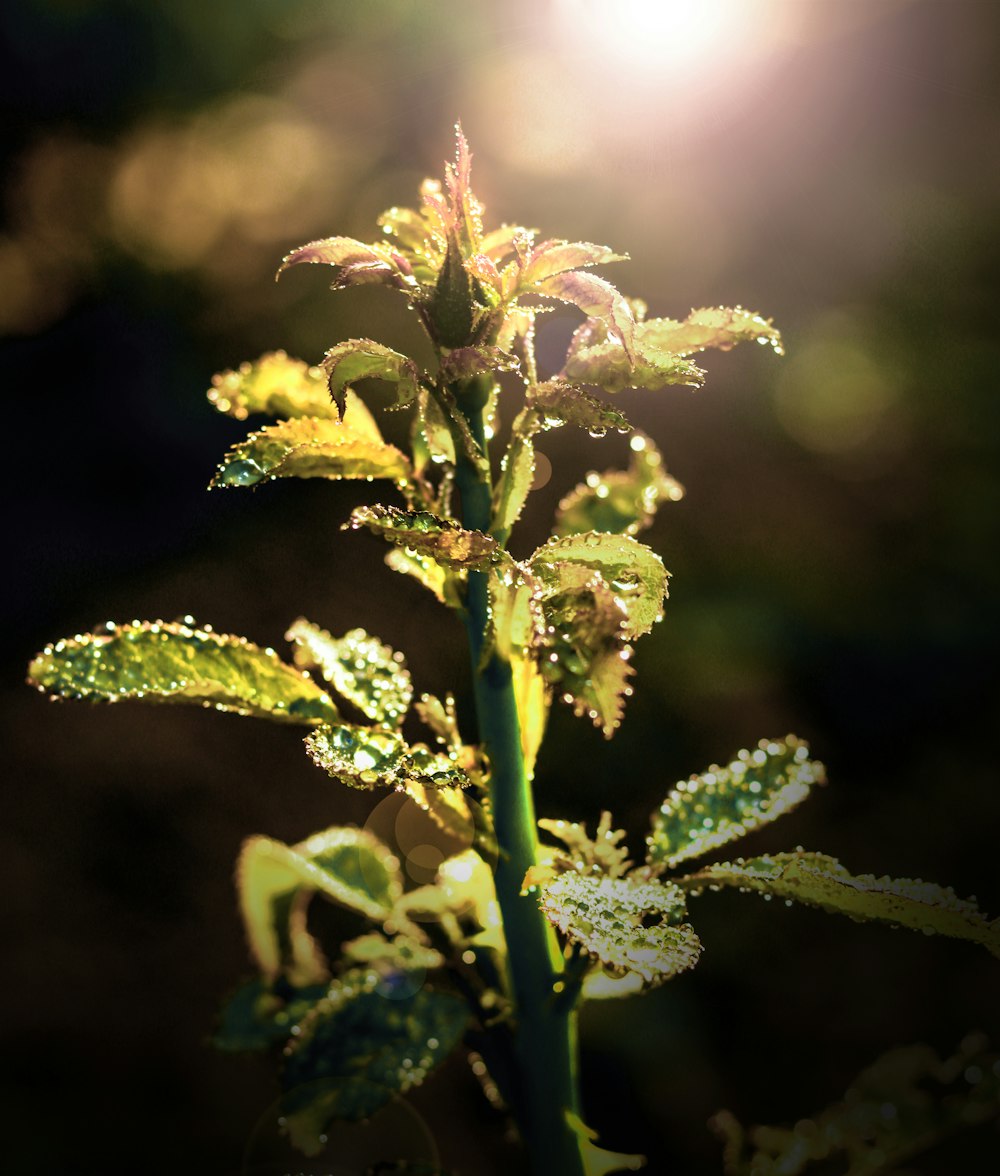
(452, 303)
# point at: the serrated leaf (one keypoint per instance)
(275, 882)
(444, 583)
(499, 243)
(358, 1047)
(821, 881)
(722, 804)
(440, 716)
(173, 662)
(257, 1016)
(434, 428)
(401, 953)
(338, 251)
(533, 697)
(273, 384)
(517, 474)
(364, 359)
(442, 540)
(448, 807)
(369, 757)
(596, 298)
(558, 403)
(549, 258)
(310, 447)
(617, 502)
(462, 363)
(609, 366)
(714, 326)
(359, 667)
(905, 1103)
(608, 917)
(633, 572)
(601, 854)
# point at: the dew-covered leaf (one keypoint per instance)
(338, 251)
(596, 298)
(499, 243)
(722, 804)
(310, 447)
(714, 326)
(609, 918)
(603, 853)
(905, 1103)
(633, 572)
(620, 502)
(462, 363)
(360, 1045)
(274, 384)
(259, 1015)
(363, 359)
(175, 662)
(442, 540)
(558, 403)
(821, 881)
(609, 366)
(359, 667)
(369, 757)
(444, 583)
(517, 474)
(399, 953)
(275, 882)
(549, 258)
(440, 716)
(434, 428)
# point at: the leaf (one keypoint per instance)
(905, 1103)
(273, 384)
(556, 257)
(338, 251)
(597, 299)
(443, 582)
(558, 403)
(499, 243)
(358, 1047)
(440, 716)
(462, 363)
(366, 757)
(601, 854)
(596, 1160)
(257, 1017)
(442, 540)
(359, 667)
(608, 917)
(821, 881)
(517, 474)
(434, 427)
(310, 447)
(609, 366)
(176, 663)
(400, 953)
(716, 326)
(363, 359)
(275, 882)
(634, 573)
(617, 502)
(448, 807)
(723, 804)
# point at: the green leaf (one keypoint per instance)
(442, 540)
(401, 953)
(905, 1103)
(434, 428)
(310, 447)
(257, 1017)
(715, 326)
(517, 474)
(608, 917)
(500, 243)
(366, 757)
(601, 854)
(558, 403)
(174, 662)
(358, 1047)
(821, 881)
(275, 882)
(723, 804)
(596, 1160)
(618, 502)
(273, 384)
(444, 583)
(359, 667)
(609, 366)
(343, 252)
(556, 257)
(633, 572)
(363, 359)
(441, 717)
(597, 299)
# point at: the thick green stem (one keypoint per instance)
(545, 1029)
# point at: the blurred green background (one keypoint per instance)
(831, 163)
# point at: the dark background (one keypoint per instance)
(833, 165)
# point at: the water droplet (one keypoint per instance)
(240, 473)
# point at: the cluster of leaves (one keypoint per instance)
(431, 970)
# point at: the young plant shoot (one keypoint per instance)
(497, 952)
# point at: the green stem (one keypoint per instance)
(545, 1045)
